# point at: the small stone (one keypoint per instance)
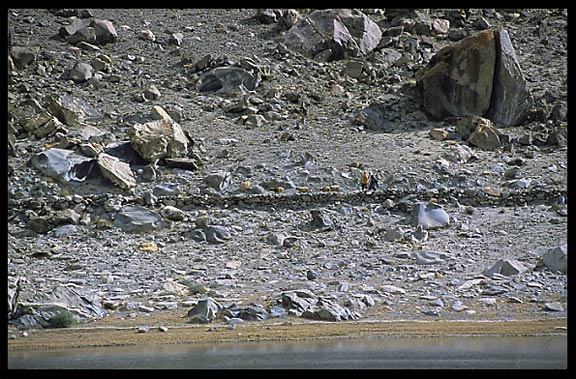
(311, 275)
(143, 329)
(554, 307)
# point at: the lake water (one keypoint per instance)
(375, 353)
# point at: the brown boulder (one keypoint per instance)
(479, 75)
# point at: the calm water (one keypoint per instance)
(377, 353)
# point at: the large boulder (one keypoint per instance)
(332, 34)
(478, 75)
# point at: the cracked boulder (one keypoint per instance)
(333, 34)
(158, 139)
(479, 75)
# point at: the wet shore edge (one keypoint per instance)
(155, 332)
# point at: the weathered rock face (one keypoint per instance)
(62, 164)
(39, 309)
(555, 260)
(479, 75)
(332, 34)
(228, 80)
(158, 139)
(510, 98)
(116, 171)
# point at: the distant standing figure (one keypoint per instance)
(365, 180)
(373, 185)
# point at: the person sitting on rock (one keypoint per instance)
(373, 185)
(365, 180)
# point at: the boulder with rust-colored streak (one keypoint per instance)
(458, 80)
(477, 76)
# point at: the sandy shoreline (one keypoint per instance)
(100, 334)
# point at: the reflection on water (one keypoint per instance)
(386, 353)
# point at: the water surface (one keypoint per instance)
(374, 353)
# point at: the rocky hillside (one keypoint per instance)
(210, 162)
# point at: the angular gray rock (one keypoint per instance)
(485, 135)
(72, 110)
(22, 56)
(39, 309)
(511, 100)
(331, 34)
(429, 216)
(63, 164)
(252, 312)
(228, 81)
(105, 31)
(479, 75)
(116, 171)
(158, 139)
(320, 219)
(506, 267)
(326, 309)
(554, 307)
(555, 260)
(166, 189)
(138, 219)
(429, 257)
(219, 180)
(205, 311)
(81, 72)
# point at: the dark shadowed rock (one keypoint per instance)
(511, 100)
(252, 312)
(320, 219)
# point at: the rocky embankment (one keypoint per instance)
(209, 162)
